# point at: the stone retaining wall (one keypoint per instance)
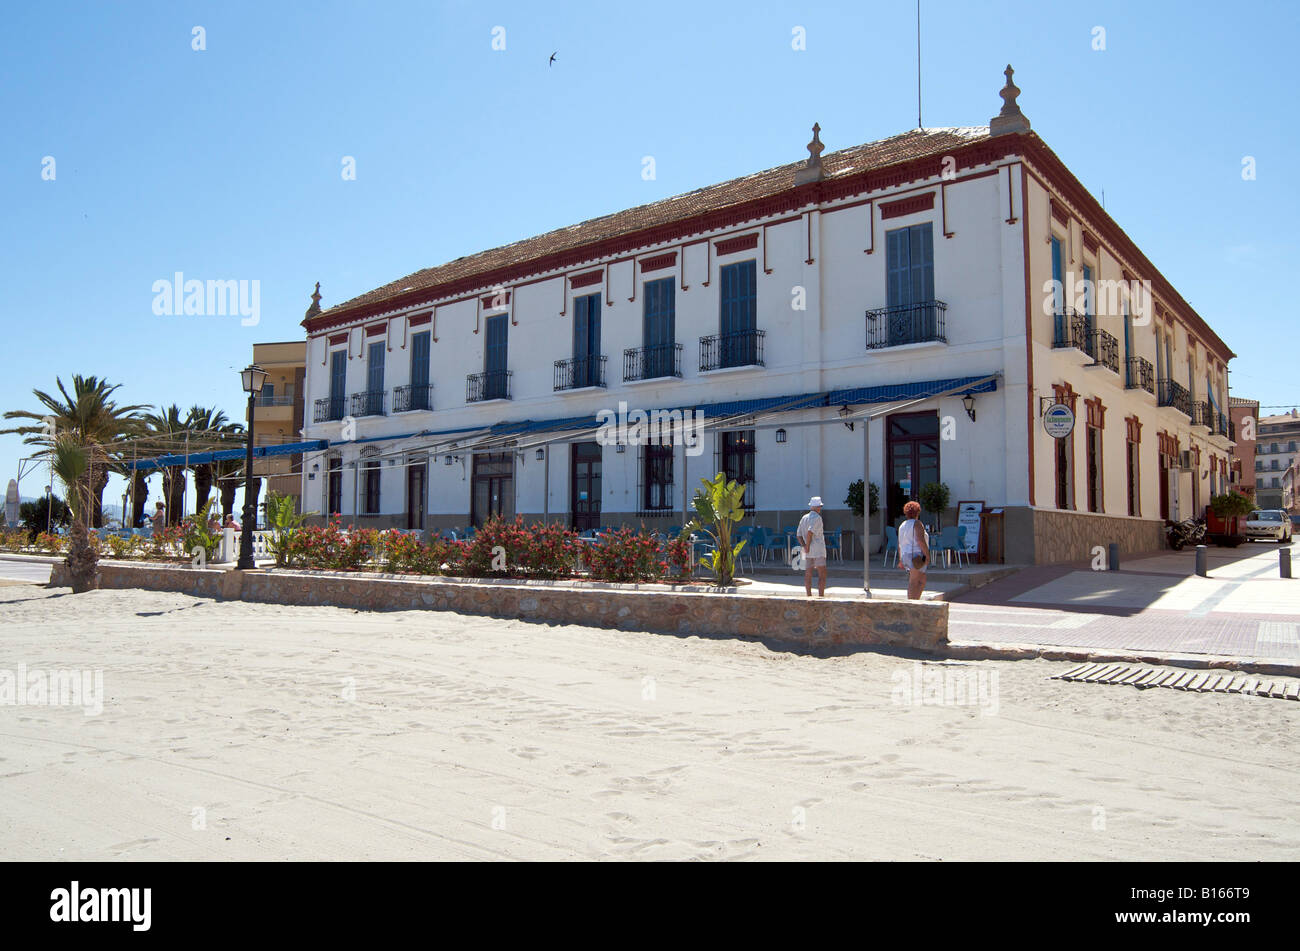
(1071, 536)
(812, 622)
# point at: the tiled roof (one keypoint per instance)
(918, 143)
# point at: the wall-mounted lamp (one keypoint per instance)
(315, 467)
(780, 435)
(620, 448)
(844, 415)
(450, 459)
(540, 455)
(968, 401)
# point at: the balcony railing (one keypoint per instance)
(1169, 393)
(1201, 414)
(743, 348)
(1221, 425)
(369, 403)
(922, 322)
(651, 363)
(488, 385)
(264, 400)
(1140, 374)
(329, 409)
(1104, 349)
(579, 372)
(1070, 331)
(413, 397)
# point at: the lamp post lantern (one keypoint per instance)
(253, 377)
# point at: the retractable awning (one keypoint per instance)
(217, 455)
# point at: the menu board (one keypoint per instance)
(968, 514)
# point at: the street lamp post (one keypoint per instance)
(253, 377)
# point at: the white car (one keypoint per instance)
(1269, 524)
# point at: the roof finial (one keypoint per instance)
(812, 169)
(314, 309)
(1010, 119)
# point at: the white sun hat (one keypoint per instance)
(815, 502)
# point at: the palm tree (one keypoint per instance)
(209, 425)
(93, 420)
(70, 461)
(226, 472)
(165, 427)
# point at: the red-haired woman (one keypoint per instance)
(913, 550)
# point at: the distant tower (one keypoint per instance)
(1010, 119)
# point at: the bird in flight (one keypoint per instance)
(551, 61)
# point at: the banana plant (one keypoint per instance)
(719, 506)
(284, 521)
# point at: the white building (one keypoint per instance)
(905, 279)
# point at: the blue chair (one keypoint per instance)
(945, 543)
(961, 545)
(835, 544)
(891, 543)
(774, 542)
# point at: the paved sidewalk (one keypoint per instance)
(1242, 609)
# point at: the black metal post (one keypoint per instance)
(250, 506)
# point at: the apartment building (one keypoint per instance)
(1243, 418)
(1277, 448)
(279, 415)
(914, 305)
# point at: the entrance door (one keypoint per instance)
(1164, 486)
(415, 496)
(492, 487)
(912, 458)
(584, 485)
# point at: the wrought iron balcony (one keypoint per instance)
(414, 397)
(579, 372)
(1169, 393)
(1201, 414)
(329, 409)
(742, 348)
(1070, 331)
(369, 403)
(1140, 374)
(488, 385)
(651, 363)
(1104, 349)
(922, 322)
(1221, 427)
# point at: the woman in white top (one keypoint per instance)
(913, 550)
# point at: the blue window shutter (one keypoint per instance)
(495, 348)
(1089, 302)
(420, 359)
(1057, 276)
(375, 364)
(338, 376)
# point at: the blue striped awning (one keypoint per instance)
(218, 455)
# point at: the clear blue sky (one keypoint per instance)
(226, 163)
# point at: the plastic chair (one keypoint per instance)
(891, 543)
(774, 542)
(945, 543)
(835, 543)
(961, 546)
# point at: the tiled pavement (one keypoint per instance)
(1242, 609)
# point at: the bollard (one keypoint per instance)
(1284, 562)
(1200, 560)
(1113, 552)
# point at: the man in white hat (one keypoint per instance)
(812, 536)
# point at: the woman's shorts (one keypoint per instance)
(811, 562)
(916, 560)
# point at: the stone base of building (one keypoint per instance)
(810, 622)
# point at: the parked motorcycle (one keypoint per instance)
(1190, 531)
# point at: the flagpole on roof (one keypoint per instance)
(918, 65)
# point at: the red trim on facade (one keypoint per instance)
(489, 298)
(1090, 242)
(336, 339)
(733, 245)
(375, 330)
(1096, 412)
(1059, 211)
(1031, 430)
(1133, 429)
(1065, 394)
(658, 262)
(419, 320)
(906, 206)
(587, 279)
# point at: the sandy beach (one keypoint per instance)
(236, 731)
